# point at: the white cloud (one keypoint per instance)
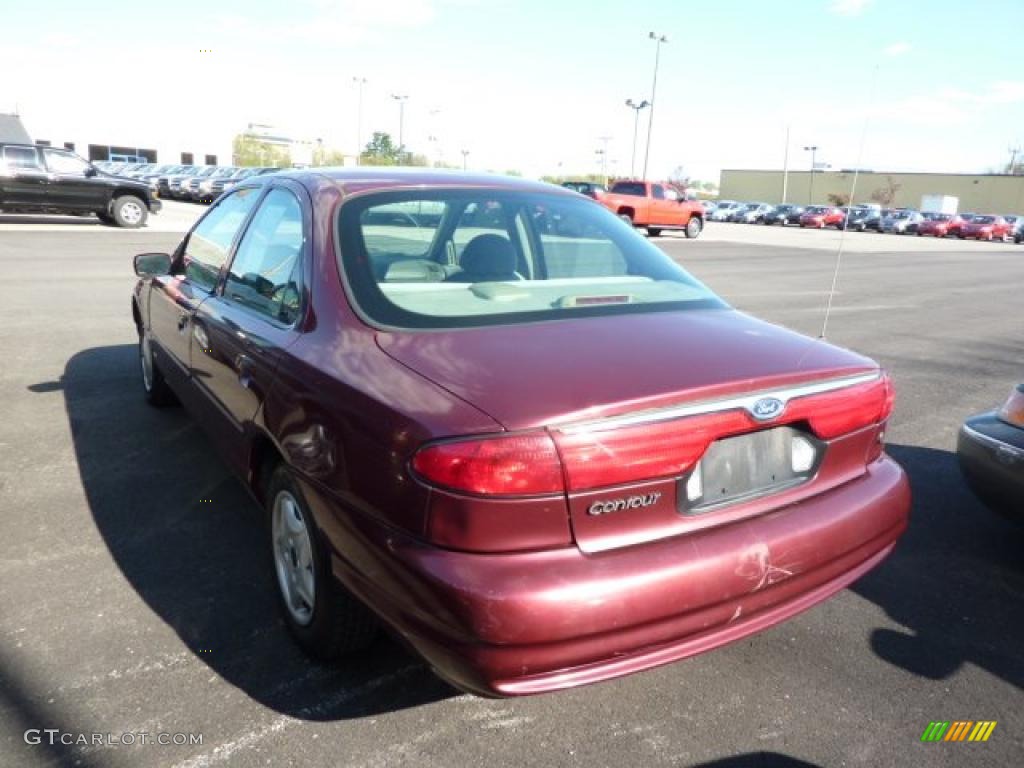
(849, 7)
(897, 49)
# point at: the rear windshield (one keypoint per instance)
(463, 258)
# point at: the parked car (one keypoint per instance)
(200, 188)
(822, 216)
(784, 214)
(856, 218)
(874, 222)
(654, 207)
(985, 228)
(940, 225)
(901, 221)
(526, 522)
(163, 181)
(724, 209)
(588, 188)
(1016, 227)
(991, 452)
(179, 185)
(750, 213)
(50, 180)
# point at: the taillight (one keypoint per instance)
(845, 410)
(1012, 411)
(595, 458)
(512, 465)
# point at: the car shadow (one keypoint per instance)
(758, 760)
(191, 542)
(954, 581)
(71, 221)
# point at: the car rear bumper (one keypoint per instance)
(523, 623)
(991, 455)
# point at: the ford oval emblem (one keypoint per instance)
(767, 408)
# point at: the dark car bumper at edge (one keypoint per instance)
(991, 455)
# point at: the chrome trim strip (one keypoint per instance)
(785, 394)
(1004, 449)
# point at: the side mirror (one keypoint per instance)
(152, 264)
(91, 171)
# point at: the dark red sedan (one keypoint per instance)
(986, 228)
(487, 415)
(822, 216)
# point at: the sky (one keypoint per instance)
(533, 86)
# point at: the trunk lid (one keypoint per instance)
(541, 374)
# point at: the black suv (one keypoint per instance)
(47, 180)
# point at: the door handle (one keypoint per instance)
(182, 322)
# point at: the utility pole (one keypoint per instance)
(401, 99)
(658, 40)
(813, 150)
(359, 81)
(465, 155)
(636, 124)
(785, 167)
(603, 154)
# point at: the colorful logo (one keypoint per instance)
(959, 730)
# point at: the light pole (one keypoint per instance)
(658, 40)
(359, 81)
(813, 149)
(636, 124)
(603, 154)
(401, 99)
(465, 154)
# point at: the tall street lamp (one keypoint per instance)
(636, 124)
(658, 40)
(401, 99)
(603, 154)
(465, 154)
(814, 153)
(359, 81)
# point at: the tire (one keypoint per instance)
(106, 218)
(129, 212)
(158, 393)
(626, 218)
(335, 623)
(653, 231)
(694, 227)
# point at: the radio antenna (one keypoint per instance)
(849, 204)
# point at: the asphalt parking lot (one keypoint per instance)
(129, 603)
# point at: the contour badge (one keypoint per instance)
(603, 507)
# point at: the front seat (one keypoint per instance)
(486, 258)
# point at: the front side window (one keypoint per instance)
(208, 244)
(21, 158)
(635, 188)
(264, 274)
(64, 162)
(489, 257)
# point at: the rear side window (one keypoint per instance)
(208, 244)
(16, 158)
(265, 271)
(496, 257)
(629, 188)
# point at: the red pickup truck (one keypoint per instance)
(654, 206)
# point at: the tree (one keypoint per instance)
(885, 196)
(380, 150)
(323, 156)
(249, 150)
(838, 198)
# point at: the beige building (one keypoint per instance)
(981, 193)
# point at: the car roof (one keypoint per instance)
(383, 178)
